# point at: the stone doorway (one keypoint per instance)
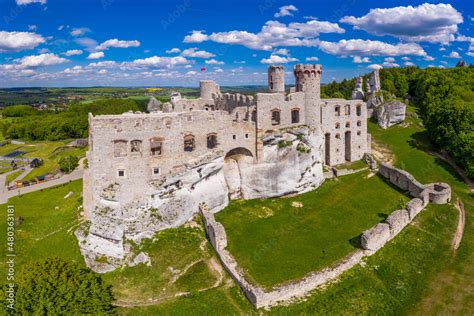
(347, 142)
(327, 149)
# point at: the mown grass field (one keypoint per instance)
(305, 233)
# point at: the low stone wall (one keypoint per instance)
(345, 172)
(436, 193)
(372, 240)
(258, 296)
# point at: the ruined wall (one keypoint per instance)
(267, 103)
(336, 123)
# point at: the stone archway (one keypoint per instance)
(234, 161)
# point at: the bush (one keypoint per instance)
(58, 287)
(68, 164)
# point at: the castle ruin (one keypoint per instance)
(150, 171)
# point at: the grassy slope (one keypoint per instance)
(451, 291)
(44, 231)
(297, 240)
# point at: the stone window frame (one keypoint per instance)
(337, 110)
(121, 171)
(278, 113)
(359, 123)
(359, 109)
(216, 142)
(348, 124)
(338, 136)
(297, 110)
(126, 147)
(253, 116)
(347, 109)
(154, 171)
(359, 133)
(133, 148)
(189, 142)
(161, 141)
(337, 125)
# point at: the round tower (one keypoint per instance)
(308, 80)
(208, 88)
(276, 79)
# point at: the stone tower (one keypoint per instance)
(208, 88)
(276, 79)
(308, 80)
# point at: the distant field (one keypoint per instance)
(294, 240)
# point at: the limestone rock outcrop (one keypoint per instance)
(390, 113)
(153, 105)
(291, 163)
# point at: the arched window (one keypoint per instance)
(358, 133)
(295, 116)
(359, 123)
(347, 109)
(337, 110)
(338, 125)
(338, 136)
(156, 146)
(120, 148)
(359, 110)
(211, 140)
(275, 117)
(348, 124)
(189, 143)
(254, 116)
(136, 146)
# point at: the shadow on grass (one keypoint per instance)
(355, 242)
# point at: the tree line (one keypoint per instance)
(27, 123)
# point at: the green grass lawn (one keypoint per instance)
(12, 176)
(47, 217)
(297, 240)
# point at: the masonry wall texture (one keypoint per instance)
(149, 171)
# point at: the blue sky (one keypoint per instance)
(168, 43)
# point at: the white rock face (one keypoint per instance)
(390, 113)
(291, 163)
(153, 105)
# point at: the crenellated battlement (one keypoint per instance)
(305, 68)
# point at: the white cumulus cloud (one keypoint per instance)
(360, 60)
(96, 55)
(359, 47)
(313, 58)
(275, 59)
(272, 34)
(117, 44)
(18, 41)
(375, 66)
(173, 51)
(155, 62)
(436, 23)
(214, 62)
(79, 31)
(286, 10)
(73, 52)
(195, 53)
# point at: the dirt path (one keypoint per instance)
(460, 228)
(445, 157)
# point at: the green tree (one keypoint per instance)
(58, 287)
(68, 164)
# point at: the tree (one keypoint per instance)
(59, 287)
(68, 164)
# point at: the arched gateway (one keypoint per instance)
(235, 161)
